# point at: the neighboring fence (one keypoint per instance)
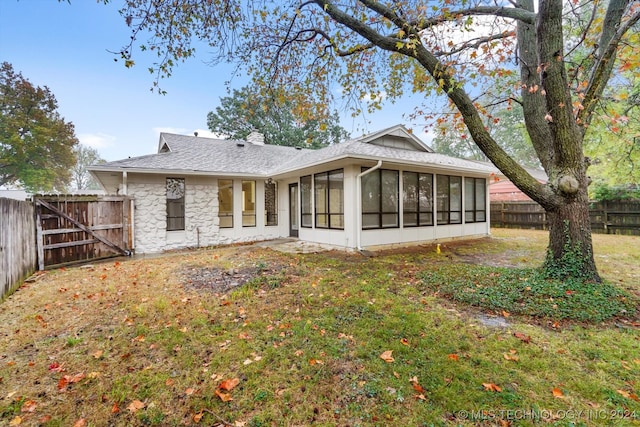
(81, 228)
(621, 217)
(17, 243)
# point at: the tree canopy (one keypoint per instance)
(36, 143)
(471, 52)
(247, 110)
(506, 127)
(81, 179)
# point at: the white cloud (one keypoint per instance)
(98, 140)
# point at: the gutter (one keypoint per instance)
(359, 203)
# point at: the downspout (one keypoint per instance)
(359, 203)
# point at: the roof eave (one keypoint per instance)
(436, 166)
(190, 172)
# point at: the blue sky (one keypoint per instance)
(66, 47)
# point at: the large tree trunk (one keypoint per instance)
(570, 251)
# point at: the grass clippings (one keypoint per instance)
(262, 338)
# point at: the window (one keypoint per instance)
(417, 202)
(225, 203)
(475, 200)
(248, 203)
(175, 204)
(449, 199)
(305, 205)
(270, 203)
(329, 199)
(380, 207)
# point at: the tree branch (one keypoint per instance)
(605, 62)
(477, 42)
(443, 75)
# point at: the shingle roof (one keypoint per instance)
(208, 155)
(227, 157)
(357, 149)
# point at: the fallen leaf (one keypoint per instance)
(169, 382)
(628, 395)
(114, 408)
(28, 406)
(41, 320)
(453, 357)
(404, 341)
(135, 406)
(80, 423)
(16, 421)
(557, 392)
(97, 354)
(190, 391)
(522, 337)
(229, 385)
(387, 357)
(225, 397)
(315, 362)
(624, 393)
(197, 417)
(63, 383)
(417, 387)
(511, 356)
(491, 387)
(420, 396)
(55, 367)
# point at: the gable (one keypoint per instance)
(398, 137)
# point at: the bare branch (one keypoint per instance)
(477, 42)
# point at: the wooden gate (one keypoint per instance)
(71, 229)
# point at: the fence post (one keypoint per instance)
(39, 237)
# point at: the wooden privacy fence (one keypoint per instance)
(80, 228)
(17, 243)
(620, 217)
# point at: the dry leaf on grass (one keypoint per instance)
(225, 397)
(135, 406)
(491, 387)
(387, 356)
(229, 385)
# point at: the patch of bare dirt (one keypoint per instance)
(222, 280)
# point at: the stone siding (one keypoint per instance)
(202, 225)
(150, 216)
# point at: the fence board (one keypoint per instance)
(621, 217)
(17, 243)
(76, 229)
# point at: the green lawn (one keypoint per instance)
(407, 337)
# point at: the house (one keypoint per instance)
(379, 190)
(504, 190)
